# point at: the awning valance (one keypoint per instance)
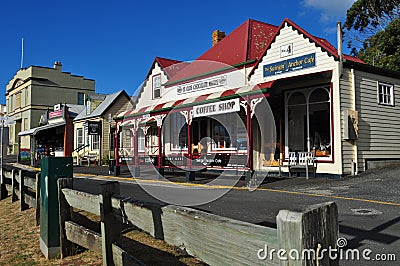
(34, 131)
(233, 93)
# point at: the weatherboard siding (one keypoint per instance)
(301, 46)
(120, 105)
(346, 103)
(379, 125)
(145, 97)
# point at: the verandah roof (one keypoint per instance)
(230, 93)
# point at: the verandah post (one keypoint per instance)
(159, 163)
(249, 141)
(190, 174)
(136, 167)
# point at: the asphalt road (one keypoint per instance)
(368, 205)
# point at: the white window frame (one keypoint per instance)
(79, 131)
(156, 86)
(307, 93)
(95, 143)
(177, 119)
(385, 93)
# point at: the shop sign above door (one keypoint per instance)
(288, 65)
(202, 85)
(221, 107)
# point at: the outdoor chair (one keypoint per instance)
(302, 162)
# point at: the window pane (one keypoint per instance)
(81, 97)
(297, 98)
(320, 130)
(319, 95)
(297, 128)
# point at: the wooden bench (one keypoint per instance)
(300, 162)
(88, 158)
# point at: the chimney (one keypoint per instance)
(217, 36)
(57, 65)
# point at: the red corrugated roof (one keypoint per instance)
(250, 41)
(247, 42)
(321, 42)
(169, 66)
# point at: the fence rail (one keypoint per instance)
(23, 184)
(214, 239)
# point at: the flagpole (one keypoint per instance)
(22, 53)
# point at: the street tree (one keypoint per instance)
(372, 32)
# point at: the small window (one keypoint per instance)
(157, 86)
(81, 98)
(18, 100)
(95, 142)
(385, 94)
(26, 124)
(79, 137)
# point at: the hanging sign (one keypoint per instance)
(222, 107)
(94, 128)
(288, 65)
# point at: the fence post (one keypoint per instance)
(13, 186)
(3, 190)
(110, 226)
(37, 198)
(65, 210)
(22, 204)
(301, 232)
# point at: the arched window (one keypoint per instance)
(308, 126)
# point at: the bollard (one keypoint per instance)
(53, 168)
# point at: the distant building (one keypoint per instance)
(35, 89)
(94, 127)
(55, 136)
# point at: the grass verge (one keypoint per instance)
(19, 243)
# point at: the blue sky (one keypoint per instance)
(115, 42)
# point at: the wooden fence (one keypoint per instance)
(23, 185)
(214, 239)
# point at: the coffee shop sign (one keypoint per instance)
(221, 107)
(202, 85)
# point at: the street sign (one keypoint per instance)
(3, 118)
(9, 123)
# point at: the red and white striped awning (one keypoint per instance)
(201, 98)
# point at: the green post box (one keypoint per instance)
(53, 168)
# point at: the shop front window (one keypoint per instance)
(308, 121)
(229, 132)
(178, 131)
(141, 140)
